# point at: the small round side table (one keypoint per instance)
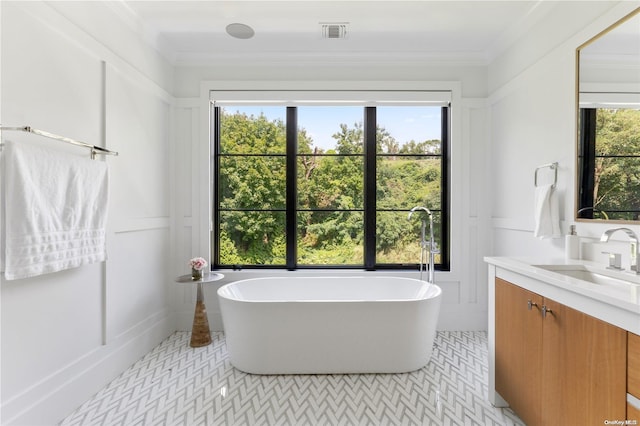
(200, 333)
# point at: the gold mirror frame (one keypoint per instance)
(589, 42)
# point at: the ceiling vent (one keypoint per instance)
(334, 30)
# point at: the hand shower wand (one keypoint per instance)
(423, 243)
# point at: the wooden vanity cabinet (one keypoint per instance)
(564, 367)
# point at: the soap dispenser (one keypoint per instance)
(572, 244)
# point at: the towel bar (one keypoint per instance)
(552, 166)
(94, 149)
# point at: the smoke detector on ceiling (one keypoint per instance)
(334, 30)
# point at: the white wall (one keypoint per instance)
(66, 334)
(532, 115)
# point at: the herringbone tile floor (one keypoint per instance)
(178, 385)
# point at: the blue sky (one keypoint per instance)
(403, 123)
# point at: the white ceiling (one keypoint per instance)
(193, 32)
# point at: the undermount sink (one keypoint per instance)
(611, 279)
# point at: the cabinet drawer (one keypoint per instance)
(633, 364)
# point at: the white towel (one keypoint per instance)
(55, 207)
(547, 215)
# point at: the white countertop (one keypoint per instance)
(618, 305)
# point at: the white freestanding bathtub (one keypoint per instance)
(327, 325)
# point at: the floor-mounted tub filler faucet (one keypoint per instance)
(424, 245)
(633, 238)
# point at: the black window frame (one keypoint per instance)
(369, 209)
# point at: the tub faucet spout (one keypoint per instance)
(635, 247)
(424, 245)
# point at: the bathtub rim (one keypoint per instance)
(433, 291)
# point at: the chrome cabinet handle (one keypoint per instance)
(546, 311)
(530, 304)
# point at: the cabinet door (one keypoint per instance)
(518, 349)
(584, 368)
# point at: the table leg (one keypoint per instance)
(200, 333)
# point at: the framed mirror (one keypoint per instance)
(608, 106)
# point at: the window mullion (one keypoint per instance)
(292, 191)
(369, 188)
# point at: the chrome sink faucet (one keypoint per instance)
(633, 238)
(424, 245)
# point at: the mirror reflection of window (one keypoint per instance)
(608, 83)
(610, 158)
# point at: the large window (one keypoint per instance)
(328, 185)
